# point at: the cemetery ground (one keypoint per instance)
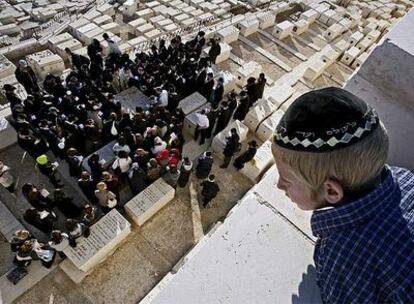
(146, 255)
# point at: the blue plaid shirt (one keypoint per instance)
(365, 249)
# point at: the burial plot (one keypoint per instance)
(250, 69)
(267, 127)
(105, 236)
(228, 34)
(190, 121)
(192, 103)
(219, 141)
(148, 202)
(263, 159)
(132, 98)
(106, 155)
(258, 113)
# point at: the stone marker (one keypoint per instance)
(268, 126)
(360, 60)
(192, 103)
(229, 80)
(260, 163)
(283, 29)
(105, 154)
(132, 98)
(147, 203)
(224, 54)
(355, 38)
(329, 54)
(314, 70)
(309, 16)
(250, 69)
(350, 56)
(258, 113)
(8, 135)
(278, 94)
(301, 26)
(219, 141)
(105, 236)
(228, 34)
(249, 26)
(266, 19)
(333, 31)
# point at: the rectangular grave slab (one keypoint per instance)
(105, 236)
(266, 19)
(248, 26)
(262, 161)
(229, 34)
(192, 103)
(360, 60)
(105, 153)
(258, 113)
(314, 70)
(267, 127)
(147, 203)
(330, 55)
(309, 15)
(229, 81)
(350, 56)
(250, 69)
(219, 141)
(333, 31)
(190, 121)
(279, 94)
(132, 98)
(283, 29)
(301, 26)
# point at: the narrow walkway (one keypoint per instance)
(195, 214)
(266, 54)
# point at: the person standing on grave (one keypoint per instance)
(331, 150)
(215, 50)
(205, 163)
(260, 85)
(171, 175)
(26, 77)
(202, 126)
(223, 119)
(218, 93)
(6, 179)
(231, 148)
(210, 190)
(185, 172)
(246, 156)
(243, 107)
(207, 88)
(137, 179)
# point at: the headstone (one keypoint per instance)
(148, 202)
(105, 236)
(301, 26)
(360, 60)
(333, 31)
(258, 113)
(132, 98)
(250, 69)
(309, 16)
(192, 103)
(260, 163)
(266, 19)
(268, 126)
(355, 38)
(229, 34)
(106, 155)
(8, 135)
(224, 53)
(219, 141)
(249, 26)
(190, 121)
(314, 70)
(283, 29)
(229, 81)
(350, 56)
(330, 55)
(279, 94)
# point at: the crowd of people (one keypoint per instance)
(76, 116)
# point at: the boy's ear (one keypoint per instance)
(333, 192)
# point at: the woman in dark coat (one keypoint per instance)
(43, 220)
(185, 172)
(137, 179)
(246, 156)
(243, 107)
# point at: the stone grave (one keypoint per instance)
(283, 29)
(105, 237)
(132, 98)
(248, 26)
(333, 31)
(229, 80)
(301, 26)
(148, 202)
(219, 141)
(190, 121)
(224, 54)
(106, 155)
(250, 69)
(192, 103)
(355, 38)
(8, 135)
(314, 70)
(262, 161)
(330, 55)
(258, 113)
(267, 127)
(279, 94)
(228, 34)
(360, 60)
(266, 19)
(350, 55)
(309, 16)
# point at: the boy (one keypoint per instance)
(331, 150)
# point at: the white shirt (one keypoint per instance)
(124, 164)
(163, 98)
(202, 121)
(113, 47)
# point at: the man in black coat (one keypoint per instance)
(260, 85)
(223, 118)
(26, 76)
(205, 162)
(210, 190)
(218, 92)
(246, 156)
(215, 50)
(77, 60)
(11, 95)
(232, 146)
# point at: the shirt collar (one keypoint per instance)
(354, 213)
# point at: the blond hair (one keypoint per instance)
(355, 167)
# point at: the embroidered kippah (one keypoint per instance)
(325, 120)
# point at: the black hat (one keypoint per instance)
(325, 120)
(9, 87)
